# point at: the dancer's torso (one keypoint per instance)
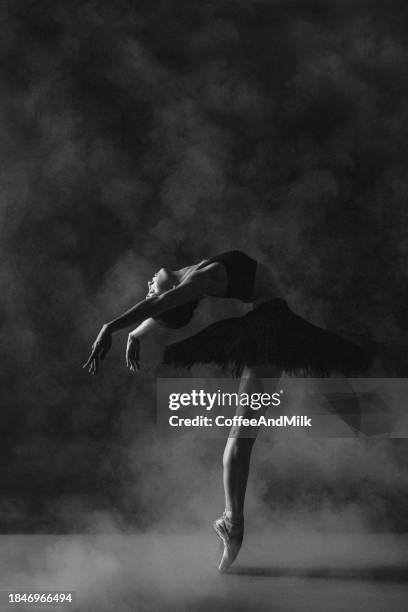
(247, 279)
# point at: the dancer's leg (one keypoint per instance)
(237, 453)
(236, 459)
(236, 463)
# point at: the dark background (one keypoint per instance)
(141, 134)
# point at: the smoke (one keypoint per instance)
(162, 572)
(135, 136)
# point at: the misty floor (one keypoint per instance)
(153, 572)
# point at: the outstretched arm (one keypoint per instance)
(145, 327)
(197, 286)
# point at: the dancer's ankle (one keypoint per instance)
(236, 519)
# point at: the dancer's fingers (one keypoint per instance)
(88, 361)
(93, 367)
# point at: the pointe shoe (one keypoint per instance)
(231, 540)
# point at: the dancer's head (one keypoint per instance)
(163, 281)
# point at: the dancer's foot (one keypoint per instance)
(231, 532)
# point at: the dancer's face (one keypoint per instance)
(162, 281)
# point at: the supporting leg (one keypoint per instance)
(236, 461)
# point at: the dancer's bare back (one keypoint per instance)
(266, 285)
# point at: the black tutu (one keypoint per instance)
(270, 334)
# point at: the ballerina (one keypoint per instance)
(265, 342)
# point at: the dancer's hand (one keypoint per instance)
(100, 348)
(133, 353)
